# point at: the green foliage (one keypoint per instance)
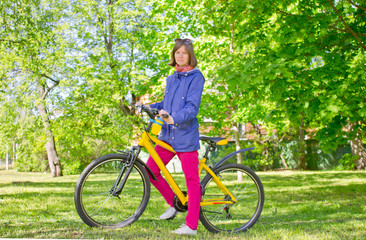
(289, 59)
(347, 162)
(283, 65)
(98, 56)
(31, 161)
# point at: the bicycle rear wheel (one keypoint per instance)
(248, 191)
(94, 201)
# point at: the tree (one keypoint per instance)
(34, 49)
(301, 57)
(285, 66)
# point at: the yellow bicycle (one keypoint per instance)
(114, 190)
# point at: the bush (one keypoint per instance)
(347, 162)
(32, 155)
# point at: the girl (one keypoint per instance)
(181, 102)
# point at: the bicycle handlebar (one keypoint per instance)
(152, 112)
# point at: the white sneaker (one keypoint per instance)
(169, 214)
(184, 229)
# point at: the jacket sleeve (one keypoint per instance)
(158, 105)
(193, 101)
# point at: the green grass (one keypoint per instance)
(298, 205)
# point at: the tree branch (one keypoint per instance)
(346, 25)
(286, 13)
(346, 31)
(358, 6)
(49, 78)
(48, 90)
(55, 83)
(126, 110)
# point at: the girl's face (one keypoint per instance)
(181, 56)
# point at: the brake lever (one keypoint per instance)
(139, 108)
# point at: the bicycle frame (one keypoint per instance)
(145, 142)
(114, 190)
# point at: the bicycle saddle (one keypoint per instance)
(216, 140)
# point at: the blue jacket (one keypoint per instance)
(182, 98)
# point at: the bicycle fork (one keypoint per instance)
(125, 172)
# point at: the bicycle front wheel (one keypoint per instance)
(245, 186)
(94, 201)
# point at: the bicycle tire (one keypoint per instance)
(95, 204)
(241, 215)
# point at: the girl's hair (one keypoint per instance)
(192, 61)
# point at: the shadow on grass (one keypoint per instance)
(306, 201)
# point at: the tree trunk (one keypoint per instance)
(265, 155)
(236, 131)
(53, 160)
(283, 161)
(358, 148)
(302, 156)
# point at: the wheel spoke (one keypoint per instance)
(94, 201)
(98, 210)
(238, 216)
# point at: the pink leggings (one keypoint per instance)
(189, 162)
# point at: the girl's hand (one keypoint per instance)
(168, 120)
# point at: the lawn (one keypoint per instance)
(298, 205)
